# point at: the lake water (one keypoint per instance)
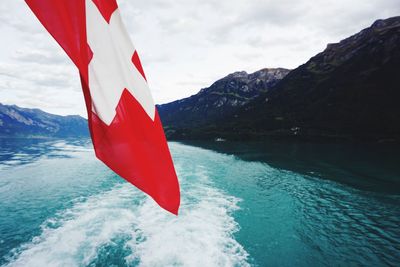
(257, 204)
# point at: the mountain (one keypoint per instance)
(220, 99)
(23, 122)
(350, 90)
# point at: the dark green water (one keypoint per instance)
(262, 204)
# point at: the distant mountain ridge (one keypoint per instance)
(23, 122)
(220, 99)
(350, 90)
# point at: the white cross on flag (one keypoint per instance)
(124, 124)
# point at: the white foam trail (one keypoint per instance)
(202, 234)
(82, 230)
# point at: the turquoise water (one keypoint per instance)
(245, 205)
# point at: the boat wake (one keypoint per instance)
(122, 227)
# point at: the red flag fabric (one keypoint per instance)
(124, 124)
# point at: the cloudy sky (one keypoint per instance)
(184, 45)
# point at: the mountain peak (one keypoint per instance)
(373, 32)
(237, 74)
(382, 36)
(221, 98)
(383, 24)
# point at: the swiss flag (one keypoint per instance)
(124, 124)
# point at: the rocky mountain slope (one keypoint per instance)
(350, 90)
(23, 122)
(220, 99)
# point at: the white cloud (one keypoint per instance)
(184, 44)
